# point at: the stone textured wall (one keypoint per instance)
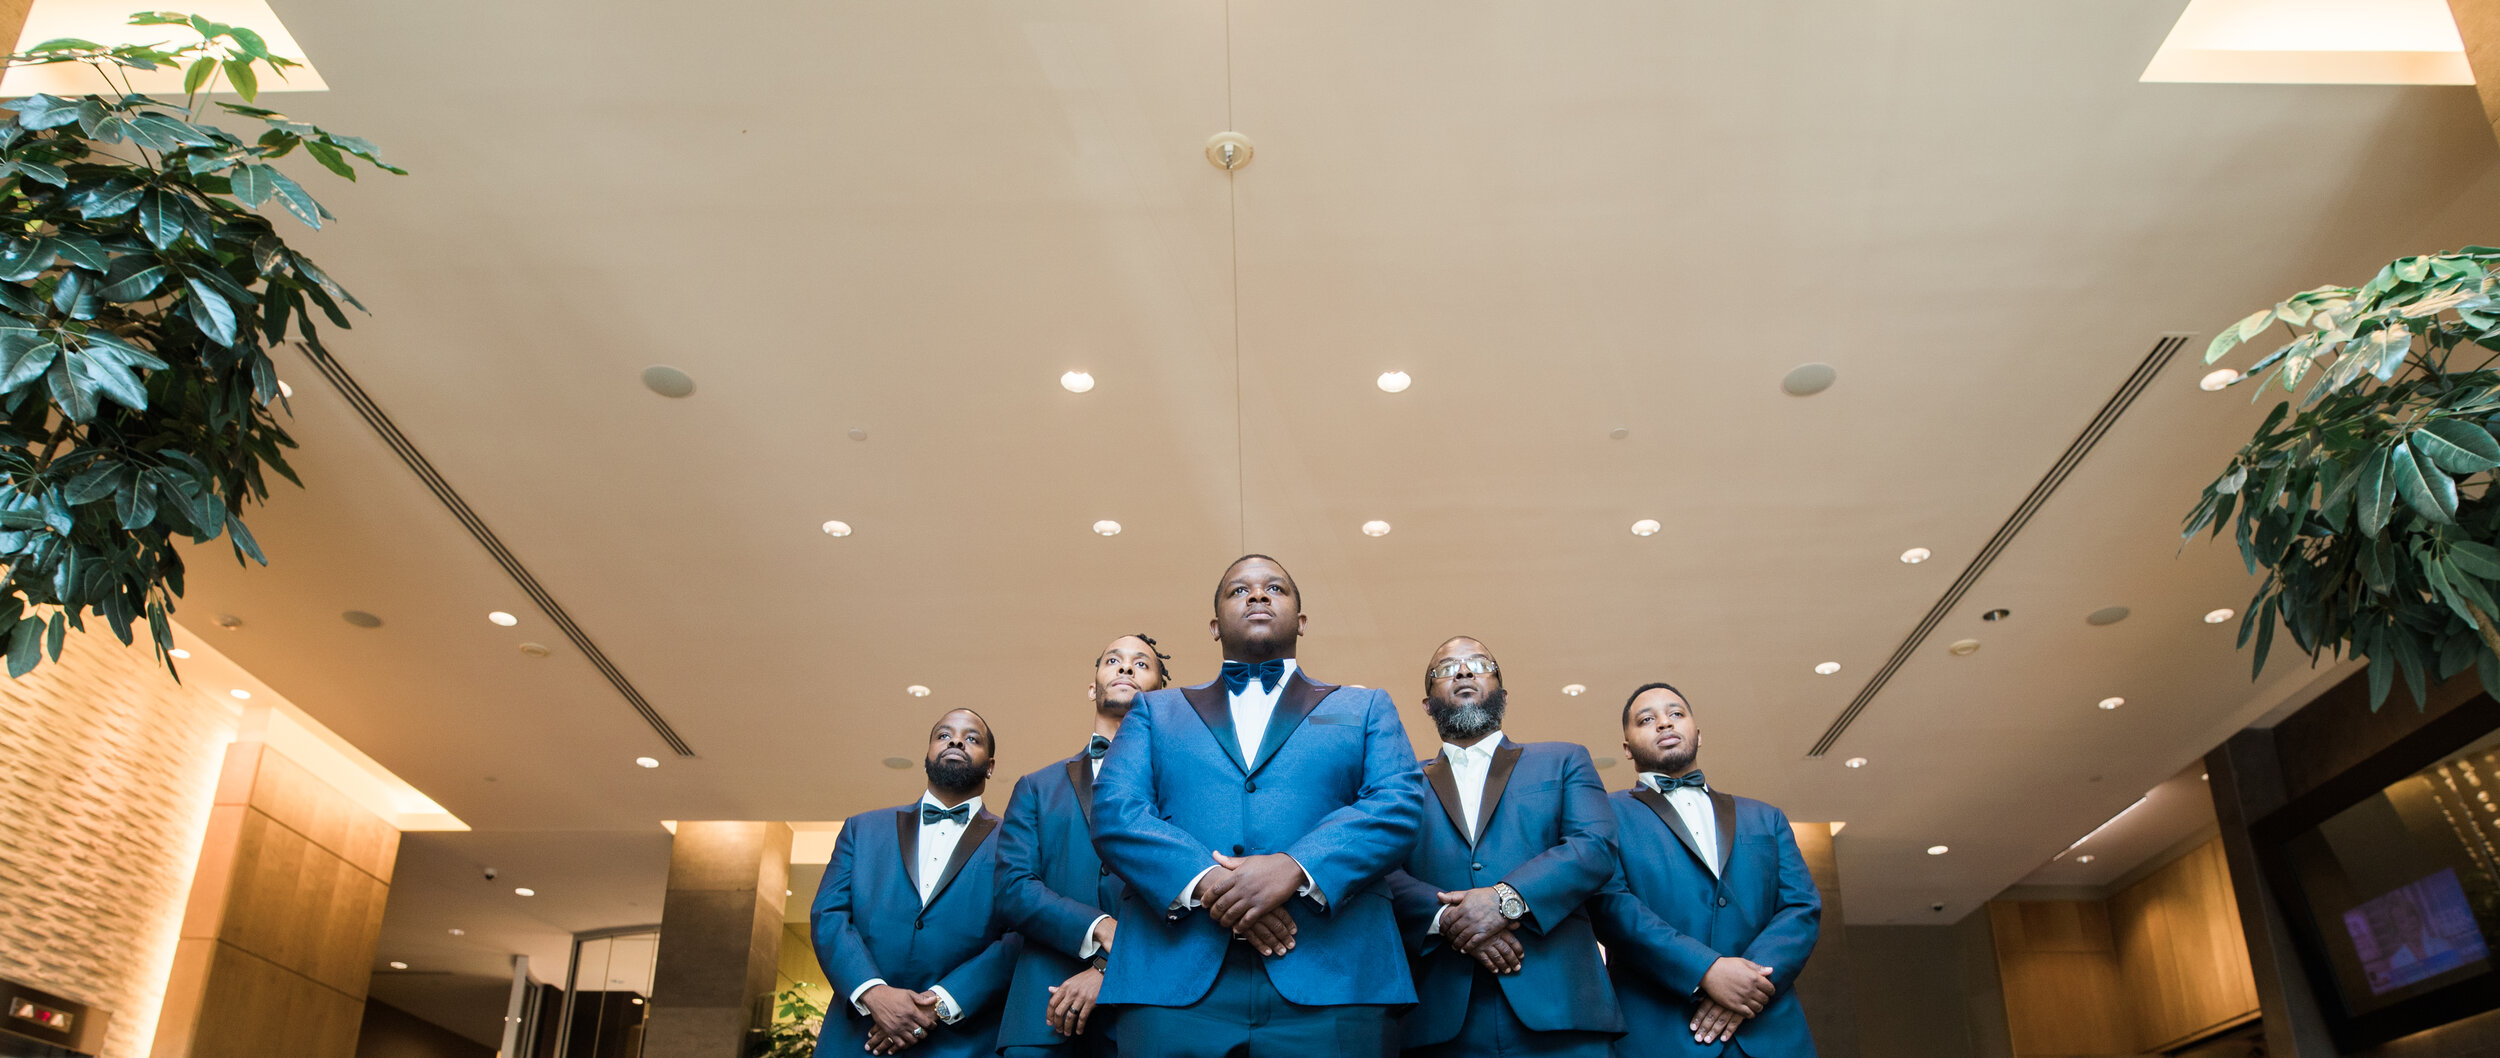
(107, 773)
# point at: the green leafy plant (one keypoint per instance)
(2366, 497)
(140, 292)
(797, 1020)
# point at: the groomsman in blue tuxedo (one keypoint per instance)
(1052, 887)
(903, 921)
(1254, 819)
(1711, 912)
(1490, 900)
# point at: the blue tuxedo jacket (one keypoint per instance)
(1051, 887)
(1334, 786)
(1664, 920)
(868, 923)
(1546, 831)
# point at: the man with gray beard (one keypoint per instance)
(1505, 960)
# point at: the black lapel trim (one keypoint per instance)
(1208, 700)
(907, 838)
(1302, 694)
(1445, 786)
(974, 833)
(1726, 811)
(1081, 777)
(1504, 759)
(1667, 814)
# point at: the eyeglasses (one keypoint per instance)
(1475, 663)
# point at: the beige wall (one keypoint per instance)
(107, 770)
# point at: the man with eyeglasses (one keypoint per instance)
(1505, 960)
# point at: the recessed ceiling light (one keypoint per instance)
(667, 381)
(1937, 850)
(638, 999)
(1827, 668)
(1619, 432)
(361, 619)
(229, 622)
(916, 691)
(178, 652)
(2086, 858)
(647, 762)
(240, 693)
(1998, 614)
(2107, 615)
(1806, 380)
(1645, 527)
(1963, 648)
(1107, 527)
(534, 650)
(1076, 381)
(502, 618)
(398, 965)
(1394, 382)
(2112, 703)
(525, 891)
(1575, 690)
(858, 434)
(898, 763)
(1854, 762)
(2204, 776)
(285, 390)
(1916, 555)
(2216, 381)
(1375, 527)
(2215, 617)
(458, 932)
(837, 528)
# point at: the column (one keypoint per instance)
(1823, 986)
(720, 938)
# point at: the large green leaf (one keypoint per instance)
(134, 277)
(2375, 493)
(212, 312)
(2414, 481)
(2479, 559)
(2458, 447)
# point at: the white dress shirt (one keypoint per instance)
(1252, 708)
(1693, 806)
(1470, 766)
(937, 845)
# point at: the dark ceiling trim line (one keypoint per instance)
(2163, 351)
(503, 556)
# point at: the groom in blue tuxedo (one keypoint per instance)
(1490, 900)
(1711, 912)
(1254, 819)
(903, 921)
(1052, 888)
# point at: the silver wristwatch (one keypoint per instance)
(1507, 901)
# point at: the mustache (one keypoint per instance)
(1471, 721)
(952, 775)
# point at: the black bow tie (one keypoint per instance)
(1238, 675)
(1096, 747)
(1667, 784)
(930, 813)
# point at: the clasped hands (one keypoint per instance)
(1072, 1000)
(1472, 922)
(902, 1018)
(1247, 895)
(1732, 990)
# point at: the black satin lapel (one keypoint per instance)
(1445, 787)
(1081, 776)
(907, 838)
(1504, 759)
(1667, 814)
(974, 833)
(1301, 695)
(1208, 700)
(1725, 807)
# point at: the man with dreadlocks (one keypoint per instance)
(1053, 888)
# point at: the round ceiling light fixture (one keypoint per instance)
(502, 618)
(459, 932)
(2112, 703)
(2215, 617)
(1375, 527)
(1916, 555)
(2107, 615)
(1646, 527)
(1806, 380)
(240, 694)
(1854, 762)
(398, 965)
(178, 652)
(916, 691)
(1393, 382)
(1963, 648)
(1229, 150)
(1574, 690)
(2218, 380)
(525, 891)
(667, 381)
(534, 650)
(1827, 668)
(646, 762)
(1076, 381)
(837, 529)
(1107, 527)
(1937, 850)
(285, 390)
(361, 619)
(2086, 858)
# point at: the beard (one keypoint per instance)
(951, 775)
(1467, 723)
(1681, 759)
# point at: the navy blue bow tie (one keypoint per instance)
(1667, 784)
(1096, 747)
(1237, 676)
(930, 813)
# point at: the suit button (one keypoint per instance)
(1106, 872)
(1236, 850)
(1722, 901)
(1250, 786)
(1475, 866)
(917, 924)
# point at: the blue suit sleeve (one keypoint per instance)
(1135, 841)
(839, 949)
(1025, 904)
(981, 981)
(1635, 936)
(1559, 879)
(1359, 844)
(1789, 936)
(1415, 903)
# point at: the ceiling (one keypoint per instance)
(909, 219)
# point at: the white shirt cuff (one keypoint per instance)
(1189, 893)
(863, 990)
(1434, 930)
(947, 1011)
(1093, 944)
(1308, 888)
